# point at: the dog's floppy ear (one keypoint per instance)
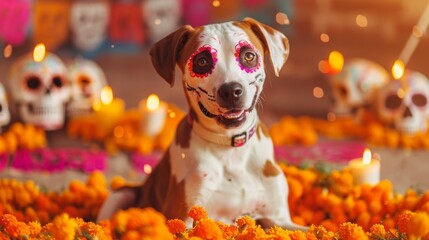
(165, 52)
(274, 42)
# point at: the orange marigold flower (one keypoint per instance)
(418, 225)
(278, 233)
(297, 235)
(34, 228)
(176, 226)
(402, 221)
(377, 231)
(63, 227)
(319, 232)
(351, 231)
(245, 221)
(197, 213)
(206, 229)
(229, 231)
(12, 226)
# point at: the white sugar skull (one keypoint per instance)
(40, 90)
(4, 108)
(404, 103)
(88, 23)
(161, 17)
(87, 79)
(354, 87)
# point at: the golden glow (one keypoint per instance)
(336, 61)
(398, 69)
(7, 52)
(324, 66)
(318, 92)
(417, 31)
(106, 95)
(147, 169)
(366, 159)
(172, 114)
(400, 93)
(361, 21)
(216, 3)
(282, 18)
(39, 52)
(331, 116)
(152, 102)
(324, 37)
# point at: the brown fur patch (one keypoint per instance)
(256, 40)
(262, 129)
(270, 170)
(162, 192)
(183, 133)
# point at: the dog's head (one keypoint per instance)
(223, 67)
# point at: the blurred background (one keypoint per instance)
(118, 35)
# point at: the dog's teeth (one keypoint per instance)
(232, 115)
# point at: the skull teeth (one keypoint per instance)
(44, 110)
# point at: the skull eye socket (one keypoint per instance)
(419, 100)
(84, 81)
(57, 81)
(33, 83)
(393, 101)
(342, 90)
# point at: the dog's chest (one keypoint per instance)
(228, 181)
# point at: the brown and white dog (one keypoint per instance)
(222, 157)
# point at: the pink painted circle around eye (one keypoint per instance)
(213, 53)
(241, 44)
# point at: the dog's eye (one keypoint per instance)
(248, 57)
(202, 63)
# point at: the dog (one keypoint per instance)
(222, 157)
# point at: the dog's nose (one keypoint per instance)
(230, 95)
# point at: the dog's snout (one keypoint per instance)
(230, 95)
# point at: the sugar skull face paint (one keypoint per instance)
(247, 57)
(202, 62)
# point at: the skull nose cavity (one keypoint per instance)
(407, 112)
(230, 95)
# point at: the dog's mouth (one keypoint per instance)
(229, 119)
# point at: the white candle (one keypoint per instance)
(365, 169)
(153, 117)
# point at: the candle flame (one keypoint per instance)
(336, 61)
(366, 159)
(39, 52)
(152, 102)
(106, 95)
(398, 69)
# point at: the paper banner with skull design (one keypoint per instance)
(51, 22)
(126, 22)
(196, 12)
(4, 107)
(14, 20)
(161, 17)
(88, 23)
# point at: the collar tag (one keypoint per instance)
(239, 139)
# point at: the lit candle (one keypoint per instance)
(365, 169)
(107, 110)
(154, 113)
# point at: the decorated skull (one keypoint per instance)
(87, 79)
(404, 103)
(161, 17)
(354, 87)
(88, 23)
(4, 108)
(40, 90)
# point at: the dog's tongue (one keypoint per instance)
(233, 114)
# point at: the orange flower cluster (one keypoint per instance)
(25, 136)
(27, 202)
(332, 199)
(126, 134)
(305, 130)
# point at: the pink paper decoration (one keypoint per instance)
(14, 20)
(126, 22)
(196, 12)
